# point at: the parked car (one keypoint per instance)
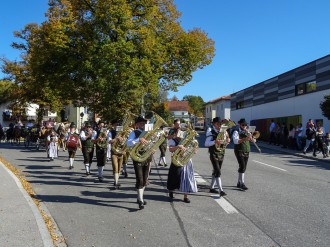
(199, 126)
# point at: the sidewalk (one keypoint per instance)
(309, 155)
(21, 221)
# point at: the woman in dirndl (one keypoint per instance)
(52, 145)
(180, 177)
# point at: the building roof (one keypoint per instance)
(227, 97)
(176, 105)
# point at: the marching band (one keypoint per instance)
(139, 138)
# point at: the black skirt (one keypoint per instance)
(174, 177)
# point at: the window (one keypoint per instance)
(307, 87)
(300, 89)
(240, 105)
(310, 86)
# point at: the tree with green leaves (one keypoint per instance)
(325, 106)
(196, 104)
(107, 54)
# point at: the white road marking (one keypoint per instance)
(269, 165)
(225, 205)
(229, 209)
(199, 178)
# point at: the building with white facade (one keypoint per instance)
(219, 107)
(179, 109)
(291, 98)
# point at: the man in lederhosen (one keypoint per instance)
(241, 139)
(116, 157)
(216, 156)
(141, 169)
(73, 142)
(87, 136)
(101, 141)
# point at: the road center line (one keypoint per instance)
(229, 209)
(269, 165)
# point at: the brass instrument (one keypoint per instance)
(141, 152)
(181, 157)
(226, 124)
(255, 135)
(101, 141)
(119, 146)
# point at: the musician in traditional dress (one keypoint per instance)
(73, 142)
(52, 140)
(101, 149)
(180, 177)
(175, 130)
(241, 139)
(125, 162)
(116, 157)
(216, 156)
(141, 169)
(87, 136)
(162, 149)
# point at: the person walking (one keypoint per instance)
(87, 137)
(73, 142)
(216, 156)
(241, 139)
(310, 136)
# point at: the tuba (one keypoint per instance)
(141, 152)
(225, 124)
(181, 157)
(119, 147)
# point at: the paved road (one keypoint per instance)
(287, 203)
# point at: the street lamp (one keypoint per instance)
(143, 111)
(81, 119)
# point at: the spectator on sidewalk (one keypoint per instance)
(284, 135)
(299, 136)
(272, 129)
(319, 141)
(310, 136)
(292, 136)
(327, 143)
(278, 131)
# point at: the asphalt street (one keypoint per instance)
(287, 203)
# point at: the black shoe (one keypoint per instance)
(186, 200)
(165, 165)
(222, 193)
(116, 185)
(125, 175)
(304, 152)
(141, 206)
(171, 194)
(314, 155)
(101, 179)
(87, 173)
(144, 202)
(71, 167)
(243, 187)
(160, 164)
(215, 191)
(238, 185)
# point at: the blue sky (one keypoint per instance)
(255, 40)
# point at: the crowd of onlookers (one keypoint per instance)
(311, 137)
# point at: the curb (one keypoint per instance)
(43, 229)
